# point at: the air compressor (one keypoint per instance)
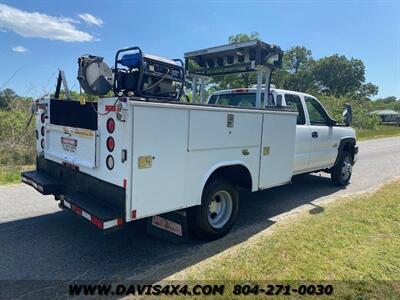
(134, 74)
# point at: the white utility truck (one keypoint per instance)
(321, 143)
(143, 153)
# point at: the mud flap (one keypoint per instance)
(169, 226)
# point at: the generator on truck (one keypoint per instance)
(144, 153)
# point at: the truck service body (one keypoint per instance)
(164, 153)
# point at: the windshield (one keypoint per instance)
(237, 99)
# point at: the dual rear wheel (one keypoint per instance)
(217, 212)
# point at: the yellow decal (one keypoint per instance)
(145, 161)
(266, 151)
(84, 132)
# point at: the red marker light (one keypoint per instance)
(110, 144)
(110, 125)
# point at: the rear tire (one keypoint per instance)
(342, 170)
(218, 210)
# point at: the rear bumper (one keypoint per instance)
(42, 182)
(100, 202)
(82, 205)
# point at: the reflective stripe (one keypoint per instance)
(67, 204)
(86, 215)
(110, 224)
(93, 219)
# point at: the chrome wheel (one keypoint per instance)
(347, 168)
(220, 209)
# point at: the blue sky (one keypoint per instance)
(37, 37)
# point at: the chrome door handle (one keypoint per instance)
(314, 134)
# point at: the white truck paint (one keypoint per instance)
(317, 144)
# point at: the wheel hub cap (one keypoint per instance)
(347, 168)
(220, 209)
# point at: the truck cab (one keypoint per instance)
(321, 143)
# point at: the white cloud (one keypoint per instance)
(34, 24)
(91, 20)
(20, 49)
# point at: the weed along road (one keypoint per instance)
(39, 241)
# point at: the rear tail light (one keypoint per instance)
(110, 125)
(42, 130)
(110, 162)
(42, 143)
(43, 117)
(110, 144)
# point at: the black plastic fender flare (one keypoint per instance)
(343, 143)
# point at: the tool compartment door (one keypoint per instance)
(159, 155)
(72, 145)
(277, 149)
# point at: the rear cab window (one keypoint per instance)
(294, 102)
(238, 99)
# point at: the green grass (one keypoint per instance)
(354, 242)
(381, 132)
(12, 174)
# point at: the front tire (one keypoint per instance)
(217, 212)
(341, 172)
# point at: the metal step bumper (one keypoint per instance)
(94, 210)
(43, 183)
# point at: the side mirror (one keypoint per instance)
(347, 114)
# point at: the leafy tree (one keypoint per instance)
(388, 99)
(296, 73)
(368, 90)
(243, 37)
(6, 96)
(297, 59)
(237, 80)
(336, 75)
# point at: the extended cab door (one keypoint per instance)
(303, 135)
(323, 149)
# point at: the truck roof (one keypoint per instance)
(253, 90)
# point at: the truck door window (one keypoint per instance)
(316, 112)
(294, 102)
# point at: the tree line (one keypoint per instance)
(334, 75)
